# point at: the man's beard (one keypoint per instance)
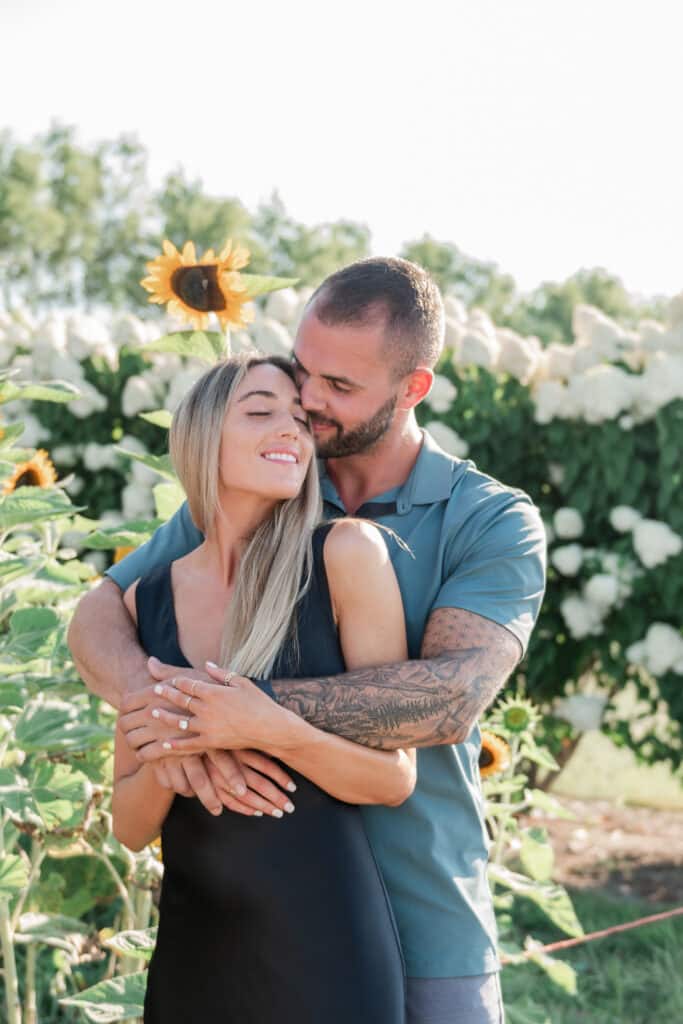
(361, 438)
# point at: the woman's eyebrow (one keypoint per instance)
(250, 394)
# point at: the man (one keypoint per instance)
(472, 584)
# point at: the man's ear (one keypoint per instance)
(416, 387)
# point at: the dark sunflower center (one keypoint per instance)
(485, 757)
(198, 288)
(29, 478)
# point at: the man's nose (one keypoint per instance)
(311, 395)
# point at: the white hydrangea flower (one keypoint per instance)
(98, 560)
(443, 394)
(582, 618)
(560, 360)
(448, 439)
(556, 473)
(655, 542)
(143, 475)
(99, 456)
(33, 432)
(674, 313)
(623, 518)
(478, 349)
(165, 366)
(660, 383)
(549, 399)
(86, 335)
(181, 384)
(304, 295)
(271, 338)
(602, 392)
(283, 305)
(90, 400)
(137, 501)
(602, 590)
(49, 336)
(62, 366)
(659, 651)
(74, 485)
(567, 559)
(454, 332)
(64, 454)
(517, 356)
(131, 331)
(455, 308)
(568, 523)
(582, 710)
(138, 396)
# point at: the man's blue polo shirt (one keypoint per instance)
(478, 545)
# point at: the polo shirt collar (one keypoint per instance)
(430, 480)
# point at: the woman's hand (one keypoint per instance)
(210, 715)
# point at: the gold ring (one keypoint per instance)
(229, 675)
(194, 683)
(188, 701)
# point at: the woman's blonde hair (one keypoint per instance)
(275, 568)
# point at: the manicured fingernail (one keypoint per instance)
(166, 745)
(158, 688)
(212, 664)
(291, 786)
(258, 814)
(183, 723)
(239, 789)
(156, 713)
(289, 807)
(277, 813)
(216, 810)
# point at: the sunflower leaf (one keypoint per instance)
(13, 876)
(202, 345)
(258, 284)
(126, 535)
(168, 498)
(46, 391)
(34, 504)
(160, 418)
(161, 464)
(114, 999)
(133, 943)
(10, 433)
(552, 899)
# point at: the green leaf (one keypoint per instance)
(133, 943)
(547, 803)
(168, 498)
(13, 876)
(54, 726)
(209, 346)
(13, 568)
(536, 854)
(61, 794)
(160, 418)
(159, 463)
(258, 284)
(127, 535)
(115, 999)
(10, 432)
(553, 900)
(560, 972)
(33, 633)
(16, 796)
(47, 391)
(33, 505)
(538, 755)
(53, 930)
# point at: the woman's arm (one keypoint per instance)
(369, 611)
(139, 803)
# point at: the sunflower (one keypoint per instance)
(194, 288)
(494, 756)
(37, 472)
(515, 715)
(120, 554)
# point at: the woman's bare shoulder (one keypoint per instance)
(354, 545)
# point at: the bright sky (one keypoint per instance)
(542, 135)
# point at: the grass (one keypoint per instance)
(630, 978)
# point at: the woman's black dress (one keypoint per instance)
(266, 920)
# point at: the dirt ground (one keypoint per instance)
(635, 852)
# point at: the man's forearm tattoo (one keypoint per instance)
(426, 702)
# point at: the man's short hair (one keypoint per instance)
(396, 292)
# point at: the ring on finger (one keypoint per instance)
(229, 675)
(194, 683)
(188, 701)
(183, 724)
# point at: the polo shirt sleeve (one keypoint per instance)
(495, 566)
(175, 538)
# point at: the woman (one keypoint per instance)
(266, 920)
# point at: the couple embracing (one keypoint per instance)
(299, 658)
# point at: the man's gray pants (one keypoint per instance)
(471, 1000)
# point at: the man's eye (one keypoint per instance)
(340, 387)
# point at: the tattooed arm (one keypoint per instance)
(422, 703)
